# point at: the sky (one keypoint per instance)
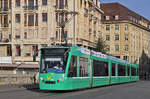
(141, 7)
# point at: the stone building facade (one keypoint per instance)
(126, 33)
(27, 25)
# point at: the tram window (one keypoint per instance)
(113, 69)
(128, 68)
(83, 67)
(100, 68)
(121, 70)
(137, 72)
(73, 67)
(133, 71)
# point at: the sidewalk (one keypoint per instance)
(9, 88)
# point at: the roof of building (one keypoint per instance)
(125, 14)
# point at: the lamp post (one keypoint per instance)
(74, 38)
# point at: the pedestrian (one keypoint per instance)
(34, 77)
(37, 77)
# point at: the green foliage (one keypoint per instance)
(101, 46)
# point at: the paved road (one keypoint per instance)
(136, 90)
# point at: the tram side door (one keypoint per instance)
(91, 72)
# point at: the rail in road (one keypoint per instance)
(136, 90)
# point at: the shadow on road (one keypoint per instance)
(35, 88)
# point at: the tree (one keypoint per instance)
(101, 46)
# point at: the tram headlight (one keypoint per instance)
(41, 78)
(61, 79)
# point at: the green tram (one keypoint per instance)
(71, 68)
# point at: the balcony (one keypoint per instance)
(30, 7)
(61, 8)
(5, 25)
(2, 10)
(5, 40)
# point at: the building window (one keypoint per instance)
(117, 56)
(116, 47)
(106, 17)
(10, 36)
(126, 27)
(126, 37)
(31, 20)
(57, 35)
(108, 48)
(126, 47)
(66, 3)
(80, 3)
(107, 37)
(17, 3)
(117, 27)
(66, 34)
(1, 36)
(126, 58)
(57, 3)
(25, 3)
(9, 50)
(107, 27)
(25, 35)
(18, 50)
(5, 5)
(44, 17)
(31, 4)
(116, 17)
(17, 36)
(17, 18)
(25, 19)
(61, 4)
(44, 2)
(57, 17)
(5, 21)
(36, 3)
(36, 20)
(116, 37)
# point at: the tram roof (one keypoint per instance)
(47, 47)
(90, 52)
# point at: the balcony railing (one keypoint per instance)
(30, 7)
(3, 9)
(5, 25)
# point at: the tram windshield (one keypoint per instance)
(54, 63)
